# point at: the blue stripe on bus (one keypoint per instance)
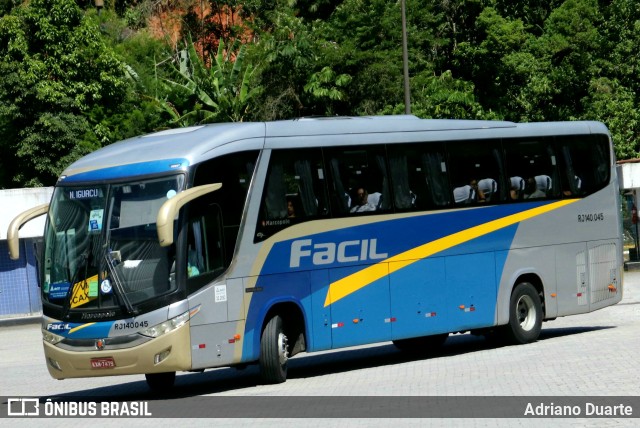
(439, 294)
(81, 330)
(394, 236)
(129, 170)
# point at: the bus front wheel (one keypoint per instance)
(274, 352)
(525, 315)
(160, 381)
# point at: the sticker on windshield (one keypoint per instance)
(80, 294)
(93, 286)
(59, 290)
(95, 220)
(105, 287)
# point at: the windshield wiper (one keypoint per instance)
(117, 285)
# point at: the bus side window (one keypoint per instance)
(419, 176)
(234, 171)
(435, 168)
(475, 167)
(355, 168)
(532, 167)
(585, 161)
(275, 202)
(404, 197)
(205, 243)
(295, 190)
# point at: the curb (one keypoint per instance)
(21, 320)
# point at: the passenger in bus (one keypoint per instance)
(531, 190)
(469, 193)
(291, 210)
(517, 188)
(362, 201)
(478, 193)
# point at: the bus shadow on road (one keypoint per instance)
(550, 333)
(305, 366)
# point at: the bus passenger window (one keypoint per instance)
(205, 239)
(419, 176)
(294, 191)
(477, 167)
(234, 171)
(585, 164)
(532, 168)
(354, 169)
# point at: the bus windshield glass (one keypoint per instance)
(102, 249)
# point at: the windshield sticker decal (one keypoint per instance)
(95, 220)
(59, 290)
(81, 294)
(106, 287)
(93, 286)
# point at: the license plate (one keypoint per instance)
(103, 363)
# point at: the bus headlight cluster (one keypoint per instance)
(51, 338)
(167, 326)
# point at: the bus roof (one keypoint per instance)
(177, 149)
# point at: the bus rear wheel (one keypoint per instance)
(274, 352)
(160, 381)
(525, 315)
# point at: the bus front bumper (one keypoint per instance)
(167, 353)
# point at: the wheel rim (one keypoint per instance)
(526, 311)
(283, 353)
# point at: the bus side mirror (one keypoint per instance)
(169, 210)
(12, 233)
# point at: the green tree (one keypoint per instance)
(616, 106)
(143, 56)
(616, 98)
(56, 68)
(488, 62)
(287, 53)
(443, 97)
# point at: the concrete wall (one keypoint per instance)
(19, 291)
(15, 201)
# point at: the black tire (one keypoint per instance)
(161, 382)
(274, 352)
(421, 344)
(525, 315)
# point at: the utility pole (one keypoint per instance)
(405, 60)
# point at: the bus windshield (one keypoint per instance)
(102, 249)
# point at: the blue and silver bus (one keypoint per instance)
(241, 243)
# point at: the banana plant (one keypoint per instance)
(222, 86)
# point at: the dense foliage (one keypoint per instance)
(74, 79)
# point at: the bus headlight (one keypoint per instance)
(167, 326)
(51, 338)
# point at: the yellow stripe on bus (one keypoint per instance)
(354, 282)
(80, 327)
